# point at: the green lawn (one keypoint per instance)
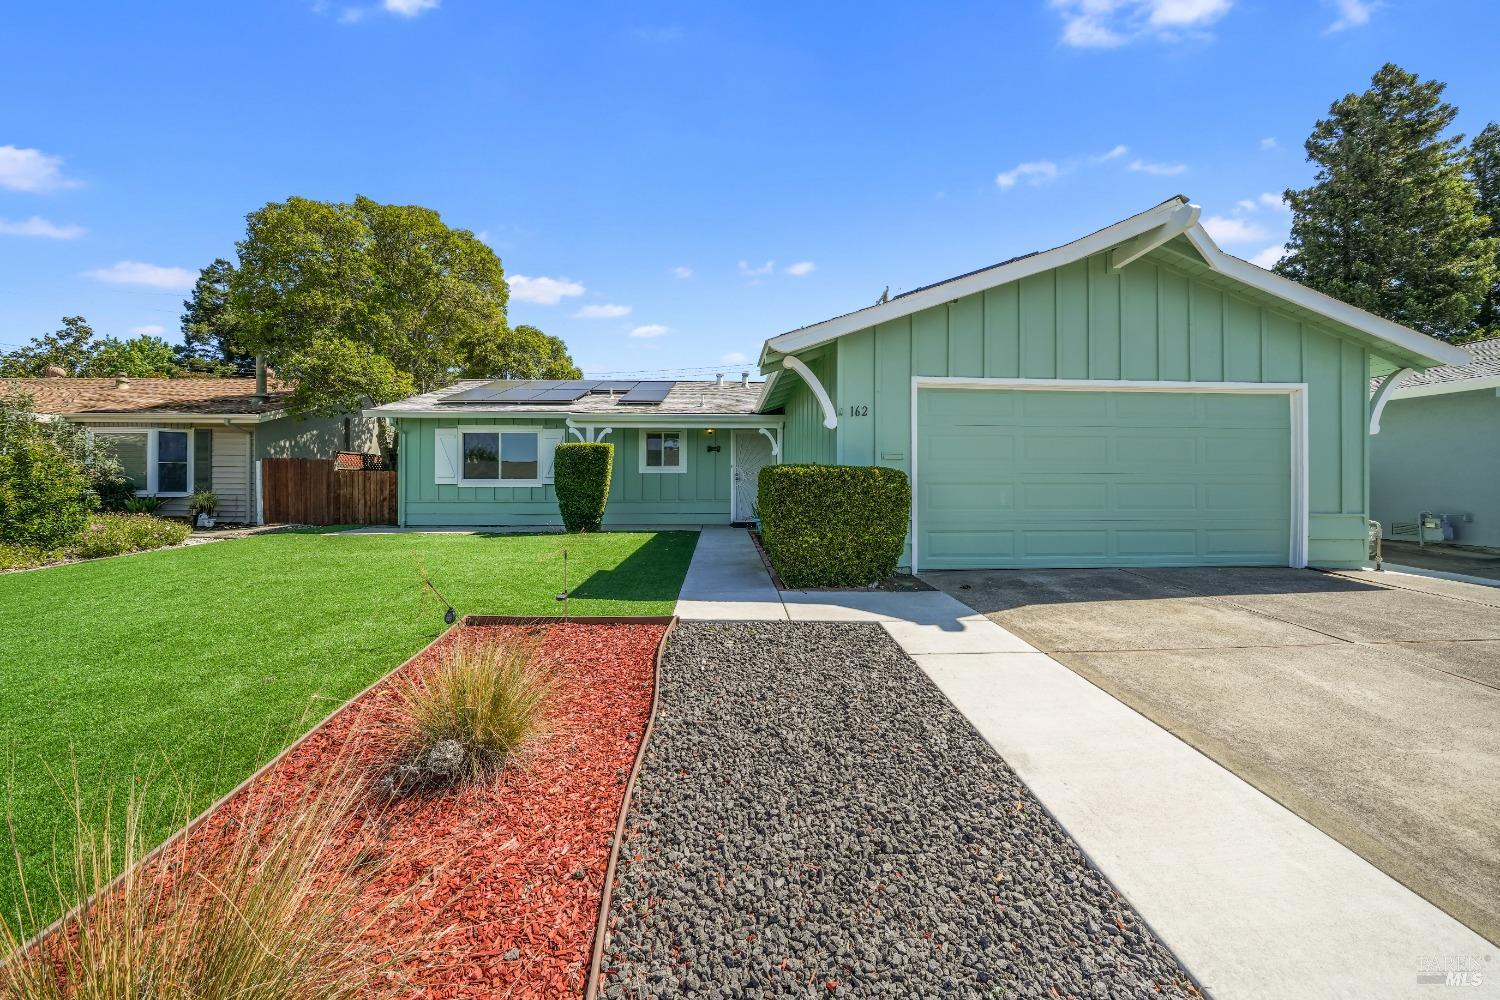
(197, 664)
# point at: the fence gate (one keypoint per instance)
(316, 491)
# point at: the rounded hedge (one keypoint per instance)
(833, 525)
(580, 475)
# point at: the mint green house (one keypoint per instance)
(1136, 397)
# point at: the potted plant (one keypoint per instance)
(201, 508)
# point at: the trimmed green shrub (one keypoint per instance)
(833, 525)
(580, 474)
(45, 499)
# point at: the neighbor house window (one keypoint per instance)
(501, 457)
(158, 462)
(663, 451)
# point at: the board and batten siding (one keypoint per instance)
(1149, 322)
(804, 438)
(698, 496)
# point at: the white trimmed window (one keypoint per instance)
(158, 461)
(494, 456)
(663, 451)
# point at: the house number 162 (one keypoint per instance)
(859, 411)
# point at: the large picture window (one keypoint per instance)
(663, 451)
(499, 457)
(158, 462)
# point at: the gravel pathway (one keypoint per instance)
(814, 818)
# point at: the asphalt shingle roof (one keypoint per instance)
(1486, 364)
(686, 397)
(229, 396)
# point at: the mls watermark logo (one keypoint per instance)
(1452, 970)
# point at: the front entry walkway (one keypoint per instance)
(1255, 901)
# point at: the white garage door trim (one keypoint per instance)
(1296, 393)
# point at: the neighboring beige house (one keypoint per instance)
(174, 436)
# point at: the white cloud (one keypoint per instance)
(734, 358)
(543, 291)
(682, 271)
(409, 8)
(650, 330)
(801, 269)
(1268, 257)
(1035, 172)
(1115, 153)
(606, 310)
(1104, 24)
(149, 330)
(1269, 142)
(756, 272)
(32, 170)
(1226, 229)
(133, 272)
(1352, 14)
(1266, 200)
(38, 226)
(1157, 169)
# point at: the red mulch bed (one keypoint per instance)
(514, 869)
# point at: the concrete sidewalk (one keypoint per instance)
(1255, 901)
(727, 580)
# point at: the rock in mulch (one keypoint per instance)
(815, 819)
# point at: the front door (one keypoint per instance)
(752, 452)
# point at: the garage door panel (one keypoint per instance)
(1157, 497)
(1042, 497)
(1135, 449)
(1105, 478)
(1155, 542)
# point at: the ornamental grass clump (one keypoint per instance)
(264, 903)
(489, 698)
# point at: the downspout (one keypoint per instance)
(830, 415)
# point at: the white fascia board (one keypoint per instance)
(1423, 346)
(593, 419)
(156, 416)
(1447, 386)
(821, 333)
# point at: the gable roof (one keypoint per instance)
(1482, 371)
(64, 396)
(1130, 239)
(686, 398)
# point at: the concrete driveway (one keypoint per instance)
(1367, 703)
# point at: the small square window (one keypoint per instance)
(662, 451)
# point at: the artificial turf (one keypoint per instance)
(191, 667)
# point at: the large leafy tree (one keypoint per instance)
(142, 357)
(523, 352)
(362, 300)
(1389, 223)
(210, 329)
(1484, 170)
(71, 348)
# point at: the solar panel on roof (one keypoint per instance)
(648, 392)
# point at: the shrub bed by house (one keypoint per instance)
(833, 525)
(104, 535)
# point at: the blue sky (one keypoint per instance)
(668, 184)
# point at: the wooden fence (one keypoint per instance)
(315, 491)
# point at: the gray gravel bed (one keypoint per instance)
(814, 819)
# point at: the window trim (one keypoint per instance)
(682, 452)
(535, 432)
(152, 471)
